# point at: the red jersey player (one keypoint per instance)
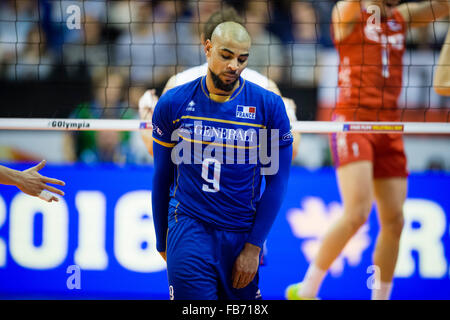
(370, 39)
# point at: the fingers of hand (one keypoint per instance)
(53, 198)
(46, 196)
(53, 181)
(247, 279)
(241, 277)
(51, 188)
(54, 190)
(236, 281)
(40, 165)
(36, 168)
(242, 280)
(235, 278)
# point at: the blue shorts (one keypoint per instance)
(200, 261)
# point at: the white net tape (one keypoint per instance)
(299, 126)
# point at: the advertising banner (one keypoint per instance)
(98, 241)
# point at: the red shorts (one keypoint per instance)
(384, 150)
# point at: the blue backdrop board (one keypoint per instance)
(98, 241)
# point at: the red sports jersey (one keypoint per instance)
(370, 69)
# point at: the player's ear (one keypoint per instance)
(208, 48)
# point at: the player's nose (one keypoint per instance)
(233, 65)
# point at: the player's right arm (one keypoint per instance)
(441, 82)
(163, 170)
(343, 18)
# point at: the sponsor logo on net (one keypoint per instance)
(374, 128)
(67, 124)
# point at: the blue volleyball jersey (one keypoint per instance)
(217, 148)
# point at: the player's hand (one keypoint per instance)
(34, 184)
(245, 266)
(147, 104)
(163, 255)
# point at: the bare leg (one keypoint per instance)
(390, 194)
(355, 184)
(356, 187)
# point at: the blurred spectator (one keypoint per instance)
(34, 61)
(280, 22)
(86, 47)
(304, 22)
(104, 146)
(267, 54)
(323, 10)
(188, 23)
(145, 44)
(120, 14)
(17, 19)
(108, 148)
(160, 41)
(175, 34)
(203, 9)
(304, 50)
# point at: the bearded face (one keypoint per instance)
(222, 85)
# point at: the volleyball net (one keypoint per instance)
(298, 126)
(83, 65)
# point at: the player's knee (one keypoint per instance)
(356, 220)
(357, 214)
(394, 225)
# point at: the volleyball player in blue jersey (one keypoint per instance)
(214, 138)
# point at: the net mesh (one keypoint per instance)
(96, 58)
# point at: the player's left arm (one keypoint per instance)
(419, 14)
(441, 82)
(272, 197)
(276, 175)
(246, 265)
